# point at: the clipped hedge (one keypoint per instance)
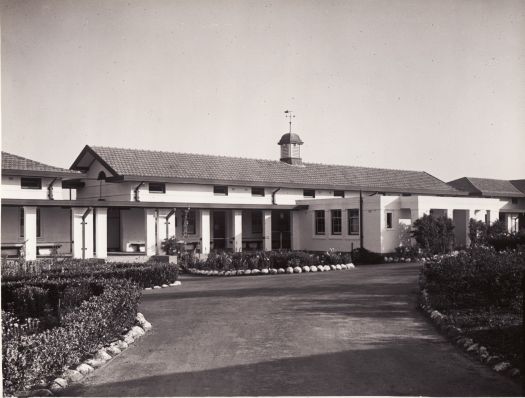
(143, 274)
(29, 359)
(480, 277)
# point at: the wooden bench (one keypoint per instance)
(47, 249)
(252, 244)
(17, 247)
(139, 247)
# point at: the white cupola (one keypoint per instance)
(291, 145)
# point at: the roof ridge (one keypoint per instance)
(185, 153)
(260, 159)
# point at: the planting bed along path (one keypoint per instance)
(330, 333)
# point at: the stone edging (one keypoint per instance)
(273, 271)
(457, 336)
(100, 358)
(176, 283)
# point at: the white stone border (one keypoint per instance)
(272, 271)
(176, 283)
(100, 358)
(443, 323)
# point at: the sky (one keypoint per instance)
(431, 85)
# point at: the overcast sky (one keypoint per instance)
(423, 85)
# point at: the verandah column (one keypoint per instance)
(296, 231)
(165, 226)
(237, 230)
(150, 224)
(82, 232)
(267, 230)
(101, 232)
(30, 232)
(205, 231)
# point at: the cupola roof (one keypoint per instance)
(290, 138)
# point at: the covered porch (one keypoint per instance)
(98, 229)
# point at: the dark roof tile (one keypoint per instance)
(20, 164)
(487, 187)
(186, 166)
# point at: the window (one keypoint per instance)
(157, 187)
(389, 220)
(31, 183)
(339, 194)
(336, 222)
(514, 201)
(220, 190)
(487, 217)
(22, 222)
(257, 226)
(190, 222)
(309, 193)
(353, 221)
(319, 222)
(256, 191)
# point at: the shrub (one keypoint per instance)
(480, 277)
(29, 301)
(364, 256)
(27, 359)
(225, 261)
(434, 234)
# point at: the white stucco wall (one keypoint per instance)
(310, 241)
(94, 188)
(12, 189)
(195, 193)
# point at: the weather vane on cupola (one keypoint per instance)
(290, 116)
(290, 144)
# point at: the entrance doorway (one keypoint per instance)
(281, 230)
(219, 230)
(113, 229)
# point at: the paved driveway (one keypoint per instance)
(336, 333)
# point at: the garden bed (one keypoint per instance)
(57, 315)
(143, 274)
(477, 297)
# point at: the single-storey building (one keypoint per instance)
(115, 201)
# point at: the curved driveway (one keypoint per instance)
(335, 333)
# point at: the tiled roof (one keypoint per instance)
(520, 184)
(187, 167)
(20, 164)
(486, 187)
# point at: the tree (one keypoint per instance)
(434, 234)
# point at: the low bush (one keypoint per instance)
(224, 261)
(29, 359)
(363, 256)
(480, 277)
(480, 291)
(495, 235)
